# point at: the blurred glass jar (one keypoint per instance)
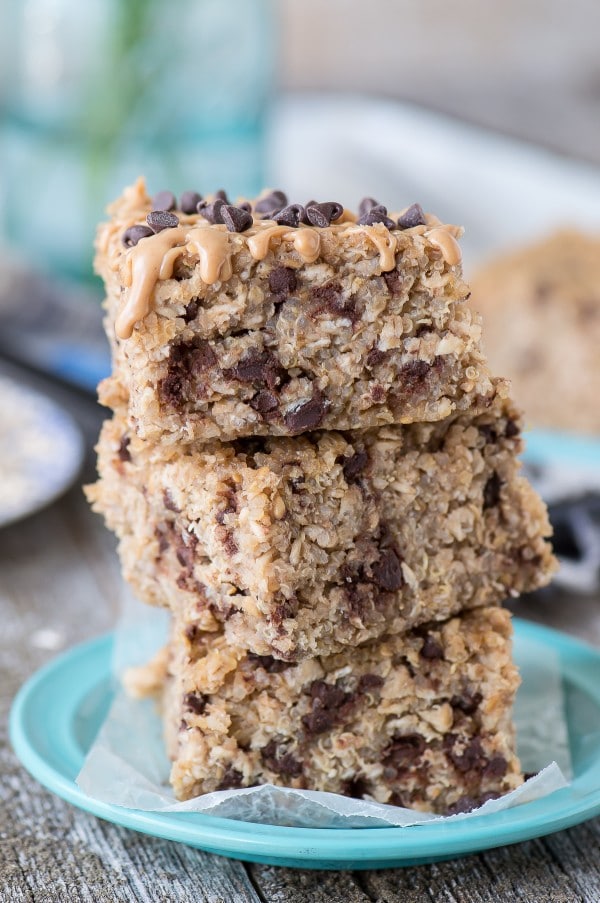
(94, 93)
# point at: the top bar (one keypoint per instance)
(271, 318)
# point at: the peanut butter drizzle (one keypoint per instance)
(386, 244)
(213, 247)
(259, 242)
(153, 259)
(441, 238)
(307, 242)
(143, 267)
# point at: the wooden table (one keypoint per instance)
(59, 578)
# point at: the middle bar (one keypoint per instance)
(304, 546)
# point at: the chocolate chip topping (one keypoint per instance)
(387, 571)
(162, 219)
(134, 234)
(353, 465)
(414, 216)
(367, 204)
(164, 200)
(282, 280)
(188, 203)
(324, 214)
(491, 491)
(271, 203)
(292, 216)
(221, 195)
(195, 702)
(377, 214)
(512, 429)
(307, 415)
(236, 219)
(212, 212)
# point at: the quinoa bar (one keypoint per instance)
(303, 546)
(275, 319)
(541, 308)
(421, 720)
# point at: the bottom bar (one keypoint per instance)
(421, 720)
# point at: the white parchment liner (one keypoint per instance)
(127, 765)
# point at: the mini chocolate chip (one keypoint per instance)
(403, 750)
(357, 787)
(278, 759)
(221, 195)
(270, 664)
(387, 571)
(212, 212)
(282, 280)
(353, 465)
(132, 235)
(188, 202)
(262, 368)
(472, 758)
(322, 215)
(377, 215)
(512, 429)
(468, 803)
(264, 402)
(169, 503)
(292, 216)
(162, 219)
(195, 702)
(307, 415)
(236, 219)
(232, 779)
(123, 452)
(491, 491)
(367, 204)
(414, 216)
(489, 433)
(369, 682)
(164, 200)
(496, 767)
(273, 201)
(431, 649)
(245, 205)
(467, 702)
(191, 310)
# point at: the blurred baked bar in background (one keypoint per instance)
(541, 310)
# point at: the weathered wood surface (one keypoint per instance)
(59, 585)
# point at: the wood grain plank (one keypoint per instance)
(284, 885)
(60, 584)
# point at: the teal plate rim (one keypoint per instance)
(50, 740)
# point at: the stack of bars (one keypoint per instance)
(310, 465)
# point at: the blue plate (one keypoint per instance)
(58, 711)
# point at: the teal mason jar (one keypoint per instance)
(94, 93)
